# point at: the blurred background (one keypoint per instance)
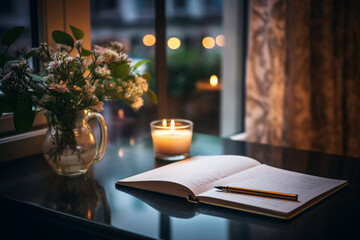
(194, 41)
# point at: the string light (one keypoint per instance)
(208, 42)
(149, 40)
(174, 43)
(220, 40)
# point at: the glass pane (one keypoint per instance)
(130, 22)
(194, 43)
(12, 14)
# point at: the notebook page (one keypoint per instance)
(268, 178)
(197, 173)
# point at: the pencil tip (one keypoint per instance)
(218, 187)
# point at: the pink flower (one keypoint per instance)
(54, 64)
(58, 87)
(98, 49)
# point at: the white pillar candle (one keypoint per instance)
(171, 140)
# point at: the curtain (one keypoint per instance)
(303, 75)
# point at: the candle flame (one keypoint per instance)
(214, 80)
(164, 122)
(172, 125)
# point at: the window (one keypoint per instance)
(133, 24)
(12, 14)
(20, 13)
(193, 57)
(194, 42)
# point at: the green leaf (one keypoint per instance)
(147, 76)
(12, 35)
(36, 77)
(85, 52)
(120, 71)
(29, 54)
(2, 60)
(14, 61)
(63, 38)
(23, 114)
(138, 64)
(152, 96)
(6, 104)
(78, 34)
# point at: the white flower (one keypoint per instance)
(103, 71)
(68, 59)
(124, 58)
(79, 43)
(53, 65)
(140, 81)
(117, 46)
(111, 56)
(98, 49)
(85, 64)
(138, 103)
(99, 60)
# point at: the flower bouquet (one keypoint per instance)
(70, 80)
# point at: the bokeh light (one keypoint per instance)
(220, 40)
(149, 40)
(214, 80)
(174, 43)
(208, 42)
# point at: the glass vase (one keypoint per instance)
(69, 145)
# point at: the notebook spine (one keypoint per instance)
(189, 198)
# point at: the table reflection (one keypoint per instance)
(81, 196)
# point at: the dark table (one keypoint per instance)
(35, 203)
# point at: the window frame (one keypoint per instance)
(50, 15)
(46, 16)
(235, 25)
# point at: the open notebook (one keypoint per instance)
(195, 178)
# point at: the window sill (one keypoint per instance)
(15, 145)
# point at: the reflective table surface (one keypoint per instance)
(35, 202)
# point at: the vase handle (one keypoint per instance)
(103, 134)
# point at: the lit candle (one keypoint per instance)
(214, 80)
(211, 85)
(171, 141)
